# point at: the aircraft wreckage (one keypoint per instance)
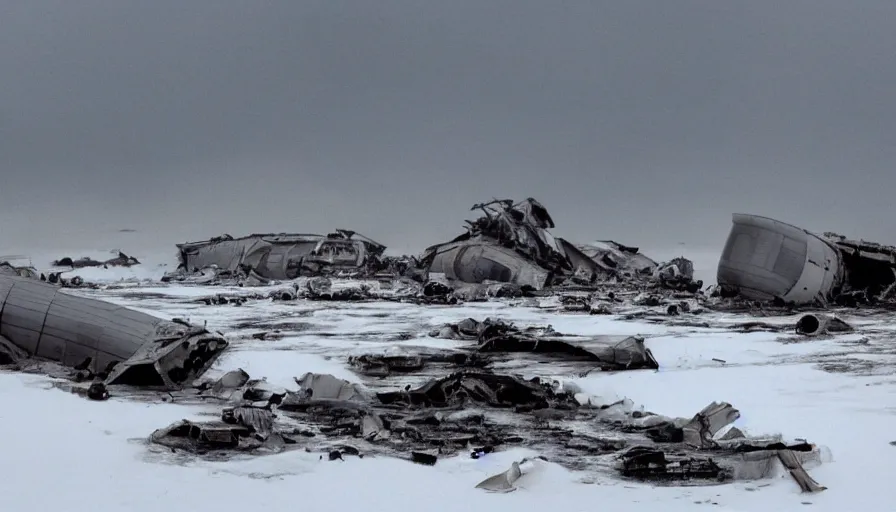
(511, 243)
(105, 342)
(283, 256)
(769, 260)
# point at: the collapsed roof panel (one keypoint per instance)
(281, 256)
(43, 321)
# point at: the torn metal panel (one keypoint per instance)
(869, 271)
(614, 256)
(47, 323)
(705, 424)
(790, 462)
(502, 482)
(320, 386)
(282, 256)
(817, 325)
(613, 352)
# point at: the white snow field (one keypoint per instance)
(64, 453)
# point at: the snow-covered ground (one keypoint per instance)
(65, 453)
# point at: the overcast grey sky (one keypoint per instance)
(649, 122)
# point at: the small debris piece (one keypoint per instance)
(806, 483)
(424, 458)
(98, 391)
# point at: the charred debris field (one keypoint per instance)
(504, 337)
(384, 377)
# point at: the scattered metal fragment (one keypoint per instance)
(507, 481)
(502, 482)
(122, 260)
(259, 421)
(612, 353)
(326, 387)
(705, 424)
(817, 324)
(426, 459)
(792, 464)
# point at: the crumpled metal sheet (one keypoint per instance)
(705, 424)
(321, 386)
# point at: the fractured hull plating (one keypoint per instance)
(282, 256)
(475, 262)
(766, 259)
(136, 348)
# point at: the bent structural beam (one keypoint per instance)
(45, 322)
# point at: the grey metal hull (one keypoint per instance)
(45, 322)
(765, 258)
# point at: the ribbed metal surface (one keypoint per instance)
(46, 322)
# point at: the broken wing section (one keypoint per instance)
(43, 321)
(766, 259)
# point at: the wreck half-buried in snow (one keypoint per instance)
(766, 259)
(283, 256)
(511, 243)
(42, 321)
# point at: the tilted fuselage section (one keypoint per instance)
(45, 322)
(766, 259)
(279, 256)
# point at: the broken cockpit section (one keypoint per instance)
(283, 256)
(768, 260)
(102, 340)
(511, 243)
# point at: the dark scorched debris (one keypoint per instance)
(480, 412)
(609, 353)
